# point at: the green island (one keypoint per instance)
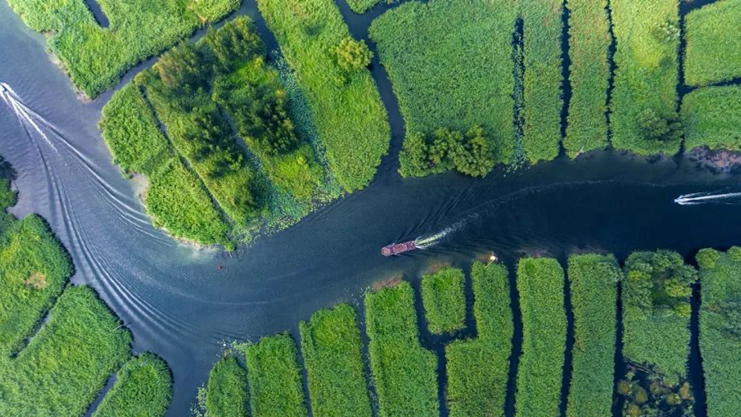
(95, 57)
(59, 343)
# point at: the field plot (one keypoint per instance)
(350, 118)
(712, 118)
(176, 198)
(594, 280)
(96, 58)
(274, 378)
(720, 329)
(226, 393)
(656, 307)
(332, 351)
(451, 66)
(543, 76)
(540, 284)
(713, 52)
(142, 389)
(589, 75)
(478, 368)
(404, 373)
(644, 119)
(444, 301)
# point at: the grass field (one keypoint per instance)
(444, 301)
(451, 66)
(404, 373)
(542, 96)
(226, 393)
(176, 198)
(142, 389)
(720, 335)
(332, 351)
(593, 280)
(712, 118)
(96, 58)
(350, 118)
(540, 284)
(589, 74)
(656, 295)
(478, 369)
(274, 378)
(67, 362)
(646, 77)
(713, 52)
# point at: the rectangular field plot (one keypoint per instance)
(404, 373)
(712, 118)
(444, 301)
(226, 393)
(713, 52)
(540, 282)
(478, 369)
(645, 93)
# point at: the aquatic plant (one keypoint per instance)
(444, 301)
(713, 51)
(226, 393)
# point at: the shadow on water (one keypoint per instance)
(183, 303)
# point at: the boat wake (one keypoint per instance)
(425, 242)
(708, 197)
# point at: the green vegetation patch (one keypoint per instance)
(713, 52)
(543, 100)
(720, 329)
(657, 290)
(34, 268)
(712, 118)
(332, 351)
(350, 118)
(451, 67)
(176, 198)
(226, 394)
(540, 284)
(68, 361)
(644, 119)
(275, 384)
(96, 58)
(589, 75)
(142, 389)
(362, 6)
(478, 369)
(594, 280)
(405, 374)
(444, 300)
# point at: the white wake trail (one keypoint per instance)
(698, 198)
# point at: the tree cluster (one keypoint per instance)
(470, 153)
(660, 281)
(654, 126)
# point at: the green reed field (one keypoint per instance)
(713, 52)
(444, 301)
(712, 118)
(226, 393)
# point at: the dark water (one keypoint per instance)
(181, 306)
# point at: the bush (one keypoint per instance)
(332, 351)
(654, 127)
(594, 280)
(444, 301)
(350, 118)
(478, 369)
(226, 394)
(712, 117)
(470, 154)
(96, 58)
(441, 58)
(540, 284)
(274, 378)
(713, 52)
(404, 373)
(706, 258)
(646, 76)
(352, 55)
(589, 75)
(143, 388)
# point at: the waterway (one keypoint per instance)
(183, 303)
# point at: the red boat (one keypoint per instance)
(398, 248)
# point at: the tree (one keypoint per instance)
(352, 55)
(474, 155)
(233, 44)
(656, 127)
(413, 158)
(182, 67)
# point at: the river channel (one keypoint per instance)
(183, 303)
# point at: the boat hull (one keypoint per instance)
(398, 248)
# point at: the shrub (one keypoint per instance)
(706, 258)
(469, 154)
(653, 127)
(352, 55)
(444, 301)
(540, 284)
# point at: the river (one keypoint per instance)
(181, 305)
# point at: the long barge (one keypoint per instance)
(398, 248)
